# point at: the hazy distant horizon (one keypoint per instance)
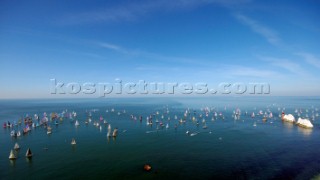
(159, 96)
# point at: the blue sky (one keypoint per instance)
(208, 41)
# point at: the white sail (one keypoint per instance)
(13, 133)
(109, 130)
(205, 126)
(16, 146)
(12, 156)
(49, 130)
(29, 153)
(73, 141)
(76, 123)
(115, 132)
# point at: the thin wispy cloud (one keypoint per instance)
(269, 34)
(243, 71)
(114, 47)
(272, 37)
(134, 11)
(310, 58)
(156, 57)
(284, 64)
(155, 68)
(249, 72)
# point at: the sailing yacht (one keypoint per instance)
(13, 133)
(270, 115)
(12, 156)
(76, 123)
(205, 126)
(49, 130)
(115, 132)
(73, 141)
(109, 130)
(16, 147)
(29, 153)
(193, 134)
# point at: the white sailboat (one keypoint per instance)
(13, 133)
(109, 130)
(16, 147)
(76, 123)
(193, 134)
(205, 126)
(29, 153)
(73, 141)
(12, 156)
(115, 132)
(270, 115)
(18, 134)
(49, 130)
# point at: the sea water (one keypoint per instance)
(246, 148)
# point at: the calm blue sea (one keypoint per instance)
(245, 148)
